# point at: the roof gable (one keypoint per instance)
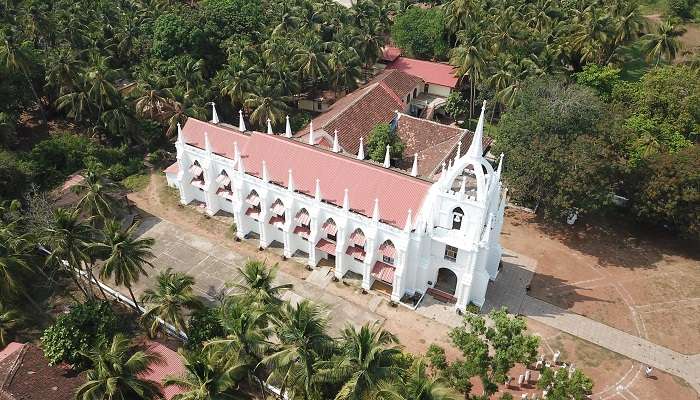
(431, 72)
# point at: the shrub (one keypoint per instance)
(136, 182)
(15, 176)
(86, 327)
(381, 136)
(204, 325)
(680, 8)
(421, 33)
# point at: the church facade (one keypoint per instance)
(402, 234)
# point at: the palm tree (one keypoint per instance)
(210, 375)
(418, 385)
(258, 283)
(310, 61)
(8, 320)
(116, 373)
(469, 61)
(14, 257)
(97, 196)
(664, 43)
(344, 64)
(237, 81)
(367, 362)
(301, 331)
(69, 239)
(172, 295)
(247, 329)
(15, 57)
(267, 103)
(126, 255)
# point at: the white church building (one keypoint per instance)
(402, 234)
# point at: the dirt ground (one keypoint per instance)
(644, 283)
(615, 376)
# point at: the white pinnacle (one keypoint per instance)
(346, 200)
(214, 115)
(290, 182)
(311, 133)
(241, 123)
(414, 169)
(269, 127)
(288, 129)
(409, 223)
(375, 213)
(318, 190)
(361, 150)
(387, 157)
(264, 171)
(336, 145)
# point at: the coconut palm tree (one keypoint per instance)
(303, 342)
(246, 328)
(418, 385)
(367, 362)
(16, 57)
(258, 283)
(310, 61)
(469, 61)
(267, 102)
(69, 240)
(172, 296)
(14, 262)
(8, 320)
(117, 371)
(663, 44)
(210, 375)
(97, 196)
(126, 256)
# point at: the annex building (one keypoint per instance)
(396, 230)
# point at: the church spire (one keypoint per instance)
(336, 145)
(361, 150)
(241, 123)
(288, 128)
(476, 149)
(214, 115)
(269, 127)
(414, 169)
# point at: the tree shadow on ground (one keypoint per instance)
(613, 241)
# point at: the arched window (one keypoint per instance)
(254, 201)
(357, 238)
(278, 217)
(388, 252)
(224, 181)
(415, 92)
(457, 217)
(303, 219)
(330, 229)
(196, 171)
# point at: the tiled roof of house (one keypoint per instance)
(431, 72)
(171, 366)
(356, 114)
(390, 53)
(25, 374)
(397, 192)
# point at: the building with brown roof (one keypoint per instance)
(25, 374)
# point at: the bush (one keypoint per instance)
(87, 326)
(137, 182)
(456, 105)
(381, 136)
(421, 33)
(204, 325)
(667, 191)
(680, 8)
(15, 176)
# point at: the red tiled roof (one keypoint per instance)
(396, 192)
(302, 231)
(356, 252)
(9, 349)
(171, 366)
(390, 53)
(431, 72)
(25, 374)
(172, 169)
(384, 272)
(356, 114)
(326, 246)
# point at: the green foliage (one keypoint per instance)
(680, 8)
(490, 352)
(556, 157)
(203, 326)
(506, 396)
(602, 79)
(381, 136)
(15, 176)
(137, 182)
(86, 327)
(666, 190)
(663, 107)
(421, 33)
(456, 105)
(562, 387)
(176, 32)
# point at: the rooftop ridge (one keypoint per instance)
(434, 122)
(367, 89)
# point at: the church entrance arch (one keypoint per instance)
(446, 281)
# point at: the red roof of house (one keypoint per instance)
(431, 72)
(397, 192)
(356, 114)
(390, 53)
(171, 366)
(172, 169)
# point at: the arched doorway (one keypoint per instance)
(446, 281)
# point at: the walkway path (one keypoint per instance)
(509, 290)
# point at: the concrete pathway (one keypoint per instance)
(509, 290)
